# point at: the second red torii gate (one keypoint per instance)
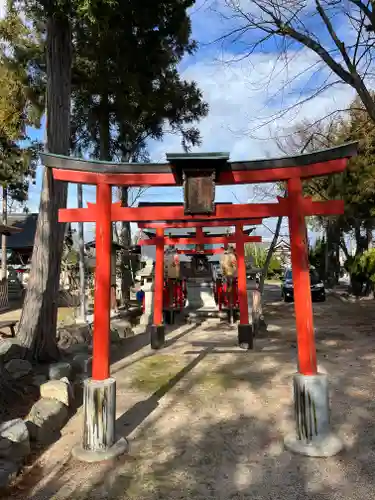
(313, 434)
(239, 238)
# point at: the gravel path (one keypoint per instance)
(206, 420)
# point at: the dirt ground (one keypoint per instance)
(206, 420)
(64, 314)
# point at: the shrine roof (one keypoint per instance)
(174, 232)
(9, 230)
(200, 161)
(172, 203)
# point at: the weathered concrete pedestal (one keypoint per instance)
(99, 418)
(200, 294)
(157, 333)
(245, 336)
(313, 436)
(147, 316)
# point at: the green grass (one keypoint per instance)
(216, 380)
(155, 371)
(66, 315)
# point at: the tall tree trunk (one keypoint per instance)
(37, 327)
(358, 238)
(4, 273)
(269, 254)
(344, 248)
(257, 307)
(105, 135)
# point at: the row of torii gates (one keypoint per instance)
(199, 174)
(240, 237)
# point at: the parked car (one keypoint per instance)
(318, 292)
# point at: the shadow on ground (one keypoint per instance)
(184, 448)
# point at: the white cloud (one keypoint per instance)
(243, 95)
(2, 8)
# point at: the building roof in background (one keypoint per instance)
(186, 232)
(133, 250)
(25, 237)
(8, 230)
(172, 203)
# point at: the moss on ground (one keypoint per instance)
(154, 372)
(216, 380)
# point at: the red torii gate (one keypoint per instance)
(239, 238)
(313, 435)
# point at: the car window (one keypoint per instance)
(314, 275)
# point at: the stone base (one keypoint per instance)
(326, 446)
(157, 334)
(120, 447)
(245, 336)
(99, 442)
(313, 436)
(199, 294)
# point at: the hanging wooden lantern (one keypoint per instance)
(199, 192)
(197, 173)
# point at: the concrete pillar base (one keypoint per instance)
(313, 436)
(245, 336)
(157, 336)
(99, 441)
(120, 447)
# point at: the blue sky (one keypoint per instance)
(245, 97)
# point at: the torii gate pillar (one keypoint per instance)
(157, 328)
(99, 393)
(245, 333)
(313, 436)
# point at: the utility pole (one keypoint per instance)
(82, 280)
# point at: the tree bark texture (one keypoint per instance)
(257, 308)
(269, 254)
(37, 327)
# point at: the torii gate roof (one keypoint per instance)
(322, 162)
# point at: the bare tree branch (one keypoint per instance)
(349, 57)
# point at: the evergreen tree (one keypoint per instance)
(119, 50)
(120, 102)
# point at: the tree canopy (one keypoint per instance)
(109, 71)
(356, 185)
(21, 105)
(126, 86)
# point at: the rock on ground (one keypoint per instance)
(8, 472)
(75, 334)
(39, 380)
(14, 440)
(56, 389)
(115, 336)
(58, 370)
(82, 363)
(10, 349)
(46, 419)
(18, 368)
